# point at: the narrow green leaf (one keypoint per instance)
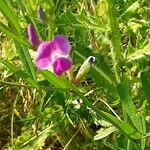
(58, 82)
(22, 51)
(116, 52)
(103, 132)
(26, 60)
(20, 73)
(132, 9)
(143, 141)
(13, 35)
(36, 142)
(27, 16)
(138, 54)
(10, 16)
(145, 77)
(129, 106)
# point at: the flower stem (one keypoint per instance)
(70, 75)
(50, 31)
(115, 39)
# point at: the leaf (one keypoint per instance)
(138, 54)
(143, 141)
(129, 106)
(27, 14)
(131, 10)
(103, 132)
(145, 78)
(12, 35)
(36, 142)
(103, 74)
(26, 60)
(22, 51)
(122, 126)
(20, 73)
(58, 82)
(10, 16)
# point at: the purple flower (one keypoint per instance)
(52, 55)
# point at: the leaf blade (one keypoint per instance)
(145, 78)
(129, 106)
(9, 15)
(26, 60)
(11, 34)
(20, 73)
(54, 80)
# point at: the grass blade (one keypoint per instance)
(104, 132)
(36, 141)
(22, 51)
(145, 77)
(10, 16)
(20, 73)
(129, 106)
(138, 54)
(26, 60)
(13, 35)
(58, 82)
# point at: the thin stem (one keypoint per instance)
(12, 123)
(66, 146)
(50, 31)
(115, 39)
(128, 144)
(109, 108)
(46, 130)
(27, 86)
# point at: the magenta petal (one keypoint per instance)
(61, 65)
(61, 44)
(33, 37)
(44, 56)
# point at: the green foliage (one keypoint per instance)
(57, 82)
(10, 16)
(109, 108)
(129, 107)
(20, 73)
(145, 77)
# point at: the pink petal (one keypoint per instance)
(44, 55)
(61, 44)
(61, 65)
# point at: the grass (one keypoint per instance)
(108, 109)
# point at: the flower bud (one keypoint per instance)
(41, 15)
(85, 67)
(33, 36)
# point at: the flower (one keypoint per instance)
(52, 55)
(33, 37)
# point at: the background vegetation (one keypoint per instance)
(109, 109)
